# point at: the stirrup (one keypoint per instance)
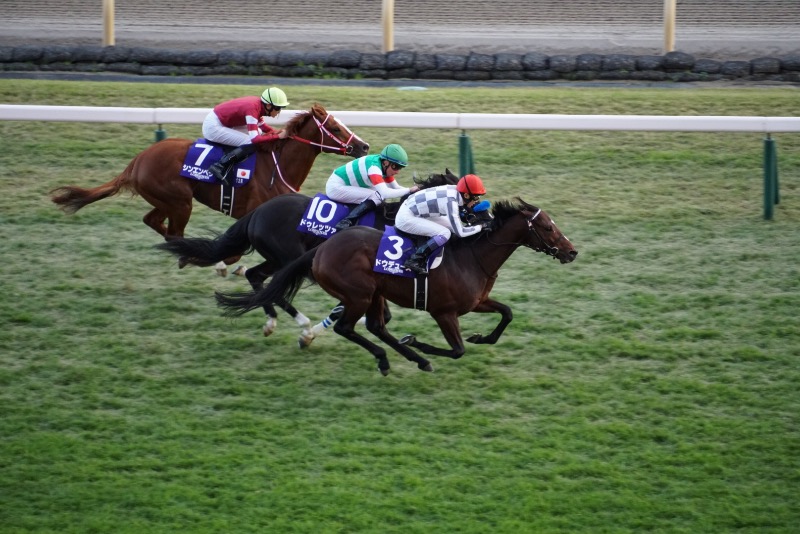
(344, 223)
(221, 175)
(419, 267)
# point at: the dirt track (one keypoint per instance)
(713, 28)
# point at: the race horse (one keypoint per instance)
(344, 267)
(272, 230)
(281, 167)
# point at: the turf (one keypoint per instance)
(650, 386)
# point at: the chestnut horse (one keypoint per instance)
(281, 167)
(271, 230)
(343, 266)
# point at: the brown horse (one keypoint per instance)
(281, 167)
(343, 266)
(271, 230)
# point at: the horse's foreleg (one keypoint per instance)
(310, 334)
(492, 306)
(448, 324)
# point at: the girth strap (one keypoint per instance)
(226, 195)
(421, 292)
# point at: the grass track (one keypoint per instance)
(651, 386)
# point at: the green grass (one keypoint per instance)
(650, 386)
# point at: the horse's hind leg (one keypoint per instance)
(376, 324)
(345, 328)
(310, 334)
(256, 276)
(155, 219)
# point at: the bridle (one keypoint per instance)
(344, 146)
(542, 247)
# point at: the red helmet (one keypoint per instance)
(471, 184)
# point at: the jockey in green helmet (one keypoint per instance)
(368, 181)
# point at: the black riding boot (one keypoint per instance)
(355, 213)
(418, 262)
(221, 168)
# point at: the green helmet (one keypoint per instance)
(275, 96)
(395, 154)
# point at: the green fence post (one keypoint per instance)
(770, 177)
(160, 134)
(466, 164)
(775, 172)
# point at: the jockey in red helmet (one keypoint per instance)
(436, 213)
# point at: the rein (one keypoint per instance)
(344, 147)
(550, 251)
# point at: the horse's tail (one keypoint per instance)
(282, 287)
(72, 198)
(205, 252)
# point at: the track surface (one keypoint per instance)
(724, 29)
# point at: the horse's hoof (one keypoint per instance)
(183, 261)
(474, 338)
(305, 340)
(269, 327)
(239, 270)
(408, 339)
(427, 368)
(221, 268)
(385, 372)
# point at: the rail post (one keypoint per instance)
(771, 195)
(161, 134)
(466, 165)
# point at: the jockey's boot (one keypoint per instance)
(221, 168)
(418, 262)
(355, 213)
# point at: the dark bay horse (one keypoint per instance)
(281, 167)
(343, 266)
(271, 230)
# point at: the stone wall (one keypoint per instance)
(350, 64)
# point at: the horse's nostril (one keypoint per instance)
(573, 253)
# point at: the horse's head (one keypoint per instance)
(539, 231)
(320, 128)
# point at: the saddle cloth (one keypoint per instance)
(203, 153)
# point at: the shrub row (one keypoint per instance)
(350, 64)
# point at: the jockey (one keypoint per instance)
(436, 213)
(368, 181)
(241, 122)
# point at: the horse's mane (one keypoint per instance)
(435, 180)
(504, 209)
(293, 124)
